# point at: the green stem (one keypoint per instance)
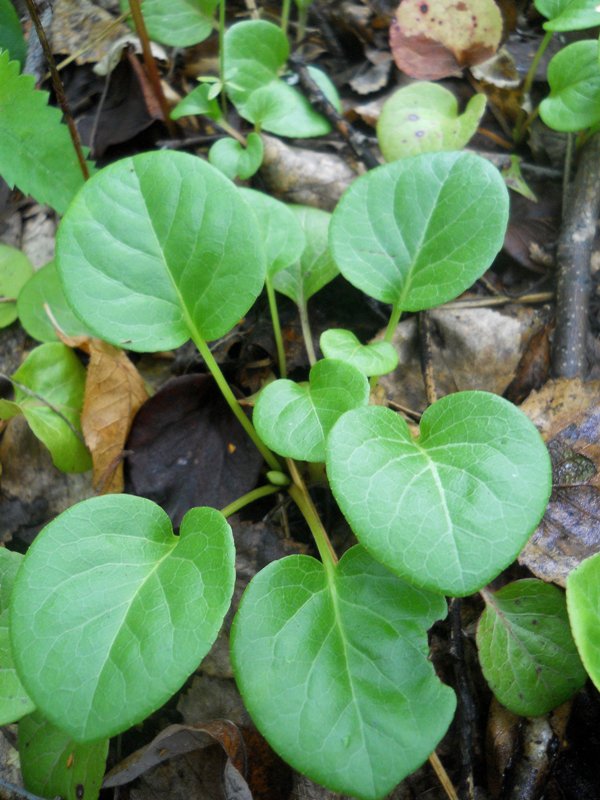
(393, 323)
(285, 15)
(302, 19)
(524, 122)
(276, 328)
(222, 56)
(306, 333)
(232, 402)
(299, 494)
(249, 497)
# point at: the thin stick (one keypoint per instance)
(427, 357)
(443, 777)
(92, 43)
(58, 87)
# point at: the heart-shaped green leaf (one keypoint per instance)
(53, 765)
(418, 232)
(295, 419)
(42, 302)
(15, 271)
(180, 23)
(198, 101)
(14, 700)
(450, 509)
(526, 650)
(234, 160)
(423, 118)
(583, 603)
(315, 268)
(49, 388)
(158, 247)
(574, 77)
(281, 232)
(569, 15)
(111, 612)
(377, 358)
(333, 666)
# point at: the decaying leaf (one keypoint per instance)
(433, 39)
(85, 29)
(567, 413)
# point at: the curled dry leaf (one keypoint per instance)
(432, 40)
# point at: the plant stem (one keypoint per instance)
(249, 497)
(222, 56)
(299, 494)
(285, 15)
(306, 333)
(232, 402)
(524, 121)
(302, 19)
(276, 328)
(393, 323)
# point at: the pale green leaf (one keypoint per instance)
(15, 271)
(569, 15)
(377, 358)
(583, 603)
(232, 159)
(574, 77)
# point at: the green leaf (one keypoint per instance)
(193, 256)
(333, 666)
(14, 700)
(583, 604)
(418, 232)
(52, 764)
(44, 289)
(377, 358)
(526, 650)
(255, 53)
(295, 419)
(11, 32)
(281, 232)
(452, 508)
(315, 268)
(198, 101)
(15, 271)
(423, 117)
(569, 15)
(574, 100)
(234, 160)
(49, 388)
(36, 152)
(180, 23)
(111, 612)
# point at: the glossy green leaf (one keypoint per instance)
(281, 233)
(452, 508)
(11, 32)
(569, 15)
(53, 765)
(583, 603)
(44, 291)
(49, 388)
(158, 247)
(15, 271)
(418, 232)
(35, 146)
(198, 101)
(14, 700)
(294, 419)
(111, 612)
(377, 358)
(423, 118)
(315, 268)
(333, 666)
(180, 23)
(574, 77)
(234, 160)
(526, 650)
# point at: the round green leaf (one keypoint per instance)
(14, 700)
(180, 23)
(377, 358)
(234, 160)
(111, 612)
(15, 271)
(569, 15)
(158, 247)
(422, 118)
(295, 419)
(526, 650)
(53, 765)
(281, 232)
(574, 100)
(41, 290)
(315, 268)
(49, 393)
(452, 508)
(418, 232)
(583, 603)
(333, 667)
